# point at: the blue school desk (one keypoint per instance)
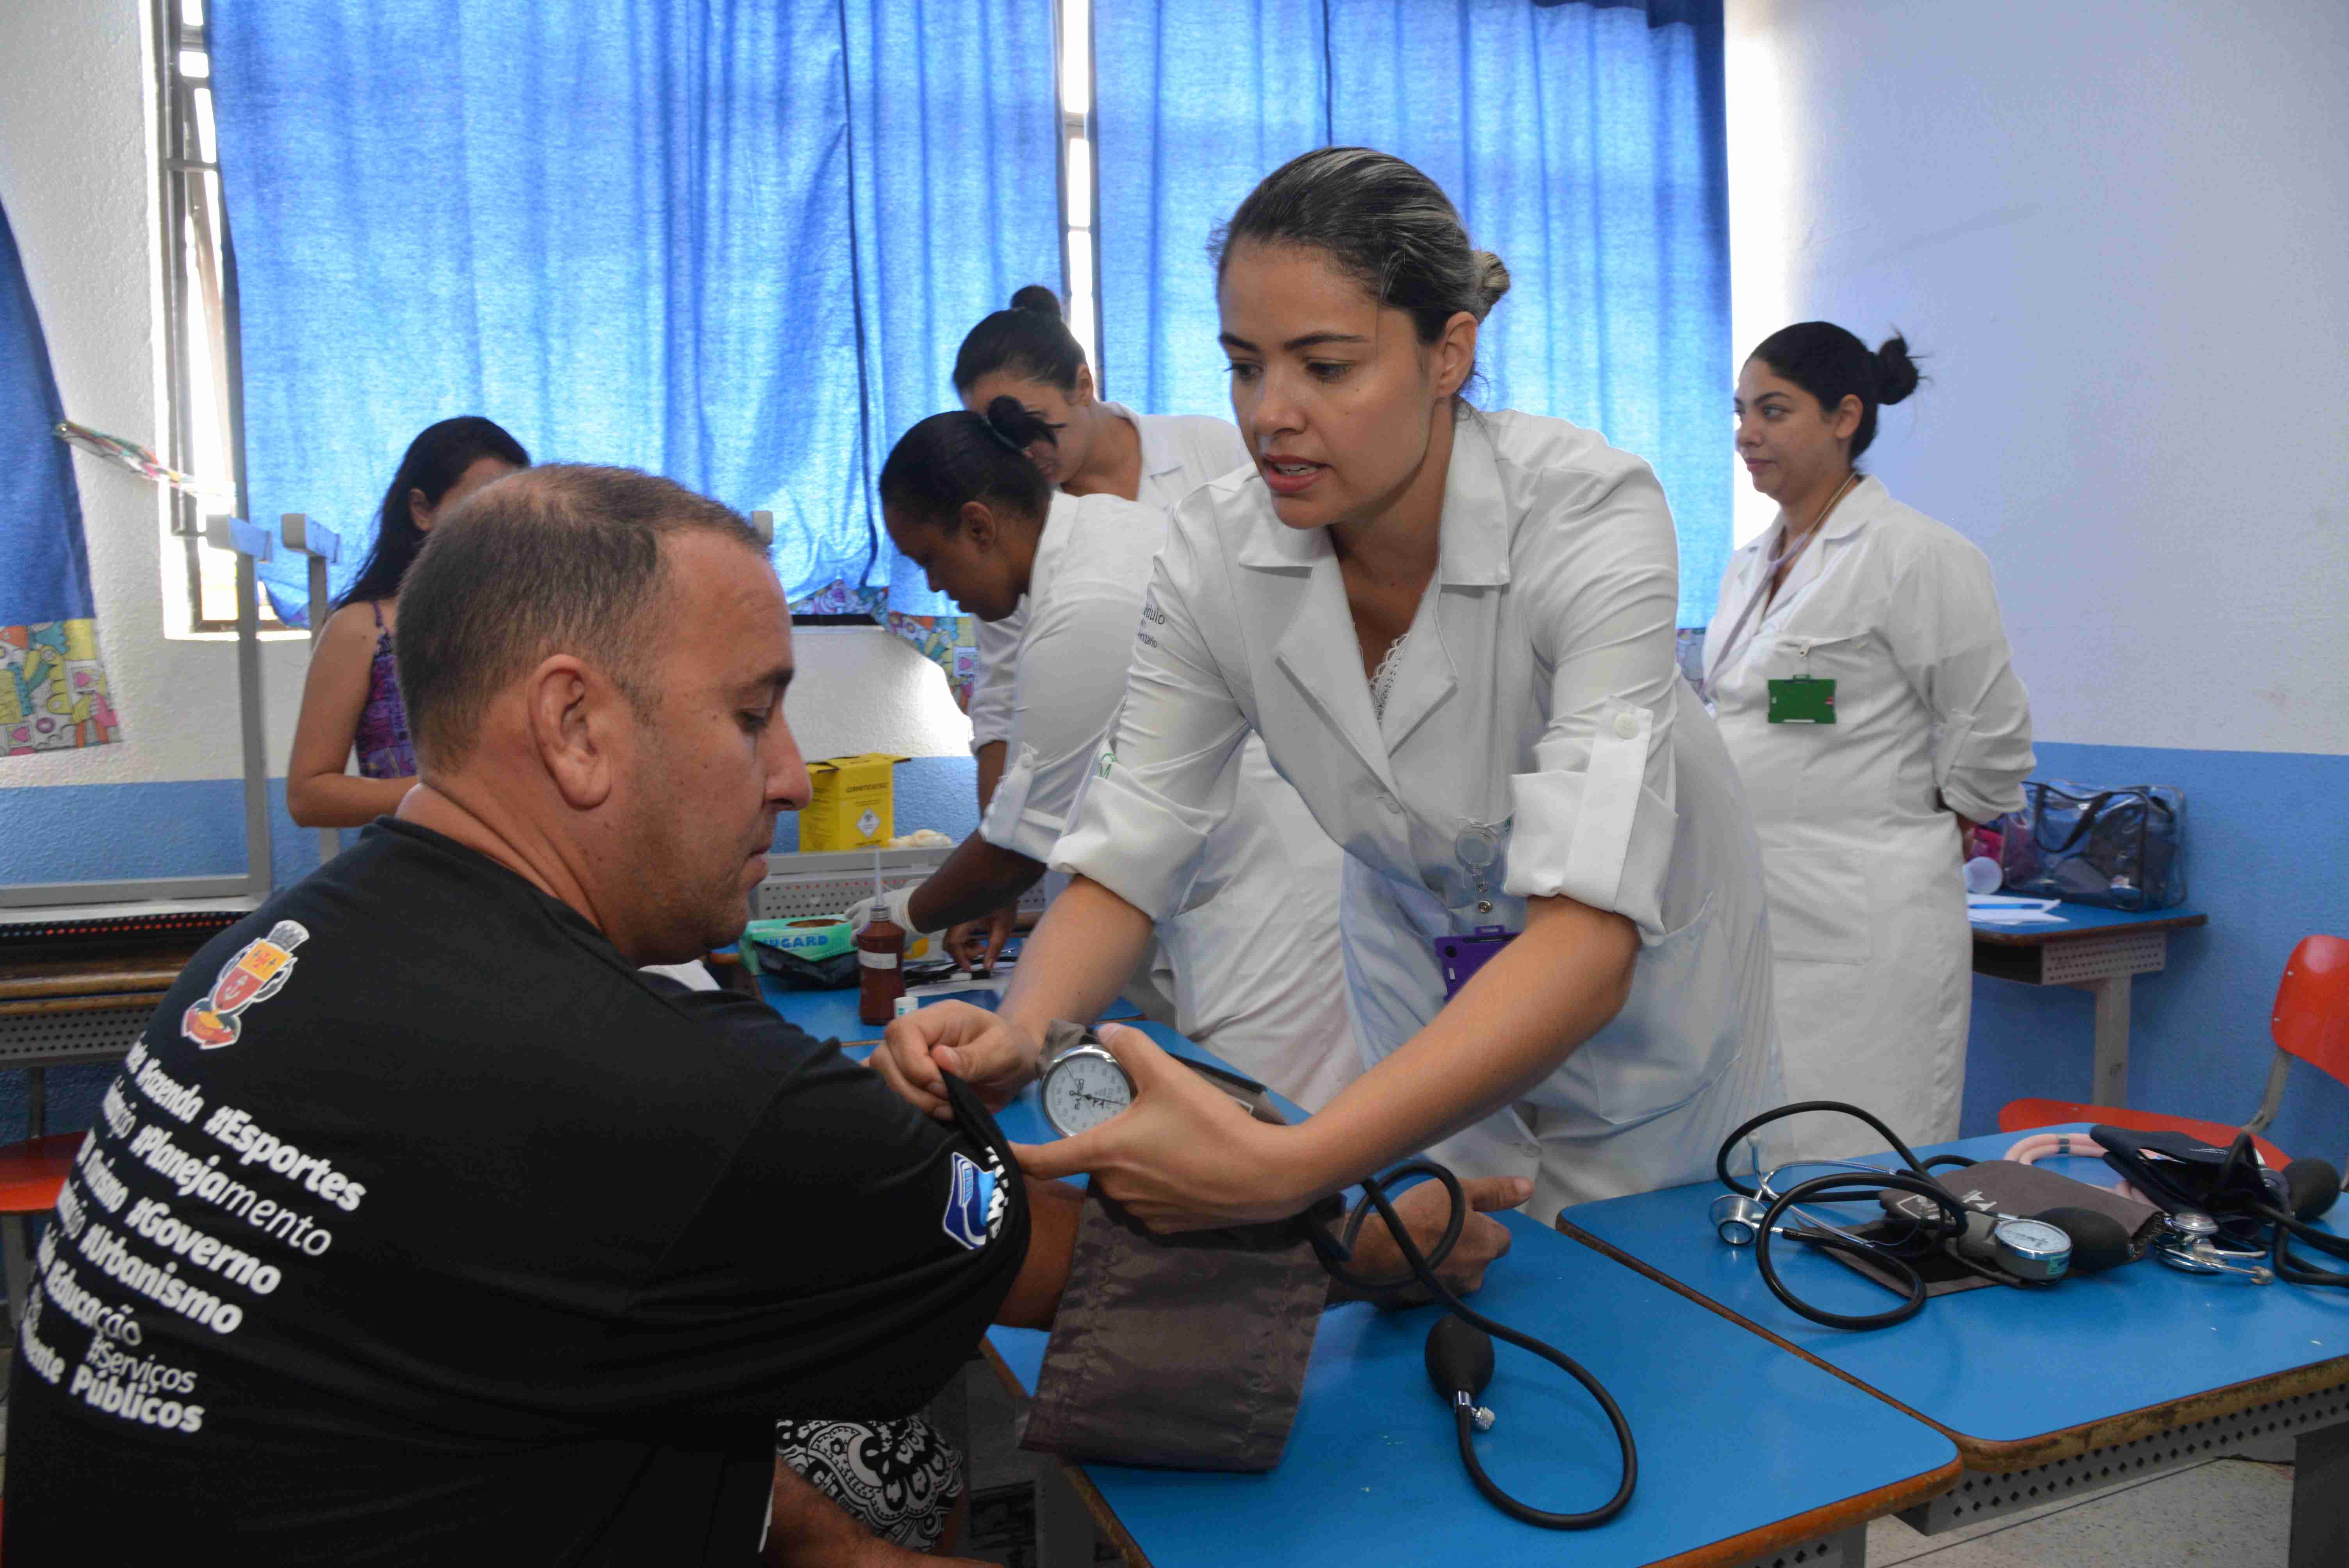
(1744, 1450)
(2046, 1393)
(2100, 951)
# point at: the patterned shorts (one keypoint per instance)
(900, 1479)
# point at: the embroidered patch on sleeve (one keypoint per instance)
(974, 1203)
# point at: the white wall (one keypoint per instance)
(2120, 229)
(76, 151)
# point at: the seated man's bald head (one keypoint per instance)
(592, 662)
(565, 558)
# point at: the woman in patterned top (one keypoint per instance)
(351, 701)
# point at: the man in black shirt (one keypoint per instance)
(419, 1225)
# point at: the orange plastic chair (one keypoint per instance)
(2311, 1022)
(30, 1174)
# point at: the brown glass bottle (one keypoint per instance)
(880, 971)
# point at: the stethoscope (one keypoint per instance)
(2002, 1248)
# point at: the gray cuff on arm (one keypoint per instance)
(1186, 1352)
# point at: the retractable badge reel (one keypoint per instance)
(1478, 849)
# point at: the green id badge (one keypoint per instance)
(1802, 700)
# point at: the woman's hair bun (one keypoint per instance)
(1895, 372)
(1491, 278)
(1037, 298)
(1014, 427)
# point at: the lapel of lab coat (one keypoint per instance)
(1473, 553)
(1319, 651)
(1858, 506)
(1846, 520)
(1160, 457)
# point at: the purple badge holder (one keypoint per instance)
(1461, 956)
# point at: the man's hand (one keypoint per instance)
(978, 1046)
(1424, 1211)
(976, 944)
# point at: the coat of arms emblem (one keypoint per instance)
(257, 973)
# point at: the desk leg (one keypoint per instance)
(2112, 994)
(1064, 1526)
(2320, 1498)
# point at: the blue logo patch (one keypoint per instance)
(970, 1192)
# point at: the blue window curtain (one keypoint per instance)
(1584, 143)
(639, 231)
(954, 138)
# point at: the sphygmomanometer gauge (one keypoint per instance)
(1082, 1088)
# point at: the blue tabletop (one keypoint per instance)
(1997, 1365)
(1372, 1470)
(1730, 1430)
(2077, 917)
(832, 1015)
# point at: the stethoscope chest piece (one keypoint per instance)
(1737, 1219)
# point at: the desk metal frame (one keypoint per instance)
(2102, 961)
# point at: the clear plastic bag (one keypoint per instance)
(2123, 847)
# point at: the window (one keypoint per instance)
(1077, 187)
(200, 430)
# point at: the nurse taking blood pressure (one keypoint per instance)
(1454, 633)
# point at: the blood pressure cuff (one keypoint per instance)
(1185, 1352)
(1995, 1187)
(2180, 1171)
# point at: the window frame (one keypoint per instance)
(1072, 39)
(198, 296)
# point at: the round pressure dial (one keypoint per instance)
(1084, 1087)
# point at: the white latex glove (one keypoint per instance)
(894, 906)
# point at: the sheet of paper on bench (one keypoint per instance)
(1994, 909)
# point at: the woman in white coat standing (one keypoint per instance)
(1454, 633)
(1858, 670)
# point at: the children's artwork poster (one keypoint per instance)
(950, 642)
(53, 693)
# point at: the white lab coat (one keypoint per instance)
(1868, 908)
(1536, 696)
(1180, 452)
(1254, 957)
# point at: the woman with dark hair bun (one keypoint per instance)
(1859, 669)
(350, 701)
(1251, 965)
(1453, 631)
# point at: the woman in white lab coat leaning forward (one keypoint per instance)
(1454, 633)
(1858, 670)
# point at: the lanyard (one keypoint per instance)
(1762, 591)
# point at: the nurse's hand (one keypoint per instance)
(991, 1054)
(1185, 1156)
